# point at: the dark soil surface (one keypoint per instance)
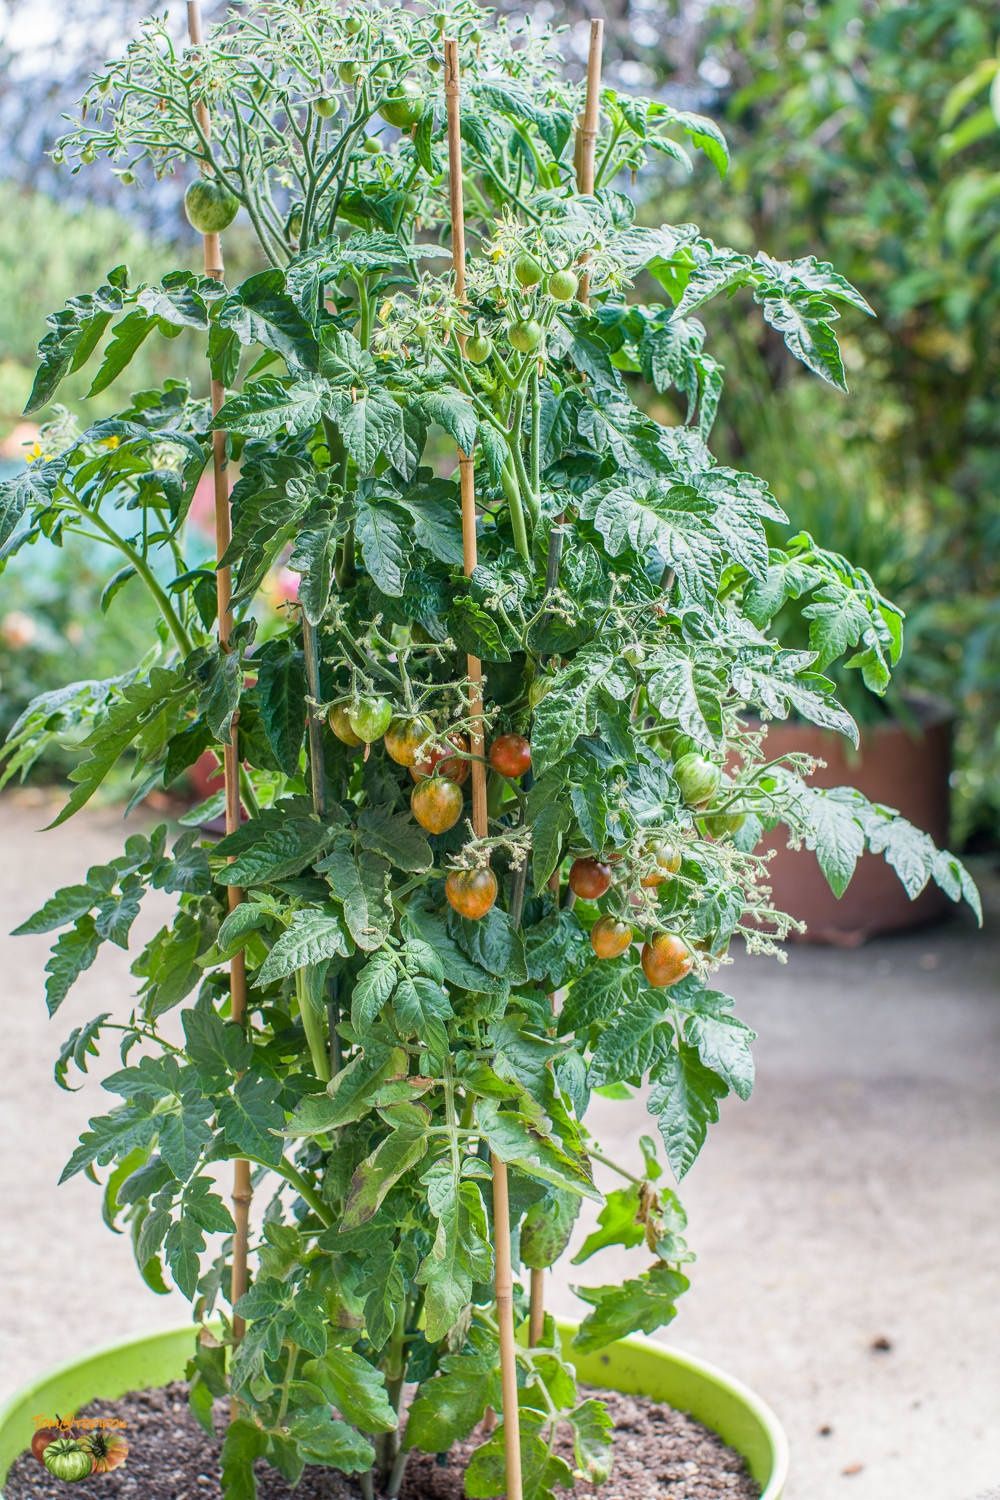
(659, 1454)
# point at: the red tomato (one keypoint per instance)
(589, 878)
(441, 762)
(471, 892)
(666, 959)
(510, 754)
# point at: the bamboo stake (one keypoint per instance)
(242, 1190)
(504, 1281)
(585, 151)
(587, 128)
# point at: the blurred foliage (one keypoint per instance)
(871, 133)
(52, 624)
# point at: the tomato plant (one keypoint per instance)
(396, 1037)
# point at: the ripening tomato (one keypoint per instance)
(404, 738)
(666, 959)
(609, 937)
(370, 717)
(42, 1438)
(589, 878)
(697, 778)
(667, 861)
(525, 335)
(439, 760)
(341, 725)
(471, 892)
(108, 1450)
(563, 286)
(209, 206)
(437, 804)
(510, 754)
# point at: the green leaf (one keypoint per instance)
(355, 1387)
(313, 558)
(182, 1248)
(74, 333)
(219, 1047)
(278, 842)
(475, 631)
(369, 425)
(394, 836)
(349, 1094)
(521, 1146)
(379, 1172)
(281, 693)
(322, 1439)
(382, 540)
(127, 338)
(548, 826)
(542, 1472)
(454, 413)
(684, 1098)
(359, 883)
(547, 1228)
(372, 990)
(260, 312)
(721, 1040)
(641, 1305)
(249, 1116)
(447, 1407)
(619, 1223)
(675, 520)
(421, 1008)
(311, 937)
(184, 1136)
(593, 1441)
(265, 406)
(72, 953)
(686, 690)
(142, 710)
(243, 1444)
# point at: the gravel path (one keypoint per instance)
(846, 1220)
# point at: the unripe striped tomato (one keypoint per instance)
(609, 937)
(437, 804)
(471, 892)
(666, 959)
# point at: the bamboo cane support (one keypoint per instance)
(504, 1282)
(242, 1190)
(584, 153)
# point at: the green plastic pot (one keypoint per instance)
(636, 1367)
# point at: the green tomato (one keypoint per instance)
(67, 1459)
(209, 206)
(369, 718)
(563, 286)
(88, 154)
(697, 778)
(347, 72)
(478, 349)
(371, 147)
(403, 104)
(719, 824)
(326, 107)
(293, 224)
(527, 270)
(526, 335)
(353, 25)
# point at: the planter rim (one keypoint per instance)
(167, 1350)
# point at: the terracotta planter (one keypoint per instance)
(905, 768)
(637, 1366)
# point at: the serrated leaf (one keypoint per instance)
(311, 937)
(359, 884)
(355, 1387)
(684, 1098)
(641, 1305)
(381, 537)
(265, 406)
(281, 693)
(379, 1172)
(249, 1116)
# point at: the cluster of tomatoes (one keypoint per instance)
(440, 768)
(526, 332)
(665, 958)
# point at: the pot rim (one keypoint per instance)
(730, 1408)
